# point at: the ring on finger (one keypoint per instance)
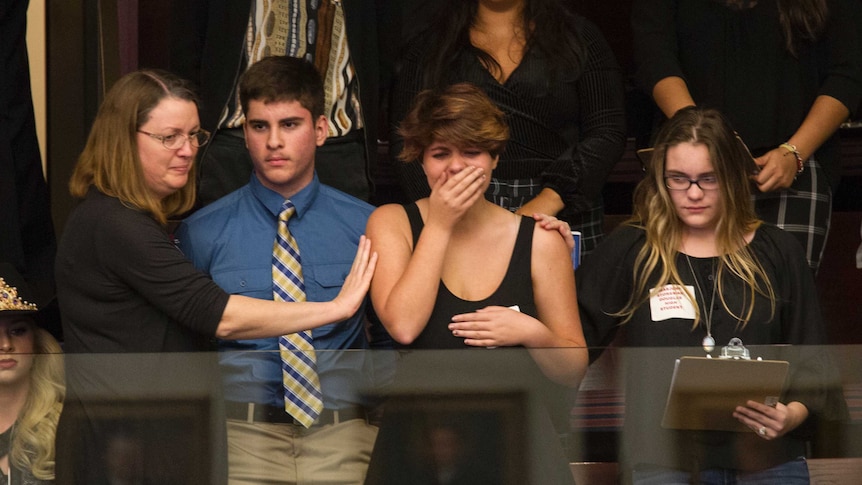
(762, 431)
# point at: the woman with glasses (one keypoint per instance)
(123, 286)
(693, 268)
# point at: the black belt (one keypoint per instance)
(264, 413)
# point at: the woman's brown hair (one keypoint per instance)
(110, 160)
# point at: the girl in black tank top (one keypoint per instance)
(456, 270)
(512, 291)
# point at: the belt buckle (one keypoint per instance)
(326, 417)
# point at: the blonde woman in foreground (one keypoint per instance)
(31, 386)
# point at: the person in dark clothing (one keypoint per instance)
(214, 41)
(123, 284)
(786, 73)
(553, 75)
(459, 272)
(693, 268)
(27, 239)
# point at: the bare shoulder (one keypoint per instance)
(387, 222)
(387, 214)
(548, 241)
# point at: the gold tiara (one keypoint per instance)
(9, 299)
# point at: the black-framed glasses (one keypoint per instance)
(177, 140)
(678, 182)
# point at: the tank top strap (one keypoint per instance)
(524, 241)
(415, 218)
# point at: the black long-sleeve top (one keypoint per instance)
(650, 347)
(123, 286)
(567, 129)
(736, 61)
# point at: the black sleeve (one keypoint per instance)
(813, 375)
(604, 284)
(406, 85)
(140, 254)
(579, 174)
(843, 78)
(655, 43)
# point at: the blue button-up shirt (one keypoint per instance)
(231, 240)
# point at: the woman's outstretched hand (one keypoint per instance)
(359, 279)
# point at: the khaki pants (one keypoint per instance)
(271, 453)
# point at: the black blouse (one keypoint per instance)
(566, 129)
(735, 60)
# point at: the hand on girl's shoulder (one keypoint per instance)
(549, 242)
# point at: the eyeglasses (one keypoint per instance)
(177, 140)
(678, 182)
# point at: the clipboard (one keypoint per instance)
(704, 392)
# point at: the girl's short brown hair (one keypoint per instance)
(461, 114)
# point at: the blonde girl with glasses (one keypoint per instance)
(693, 268)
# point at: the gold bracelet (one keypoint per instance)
(792, 149)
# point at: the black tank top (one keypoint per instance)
(515, 289)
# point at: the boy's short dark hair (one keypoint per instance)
(283, 78)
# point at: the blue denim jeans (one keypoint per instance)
(791, 473)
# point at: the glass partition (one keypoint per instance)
(161, 417)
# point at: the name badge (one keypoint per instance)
(670, 301)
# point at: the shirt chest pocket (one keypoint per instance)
(324, 281)
(256, 284)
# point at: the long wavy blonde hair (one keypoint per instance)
(110, 160)
(654, 211)
(33, 439)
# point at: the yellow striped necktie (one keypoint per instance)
(302, 395)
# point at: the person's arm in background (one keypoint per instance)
(577, 177)
(657, 68)
(671, 95)
(839, 95)
(779, 166)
